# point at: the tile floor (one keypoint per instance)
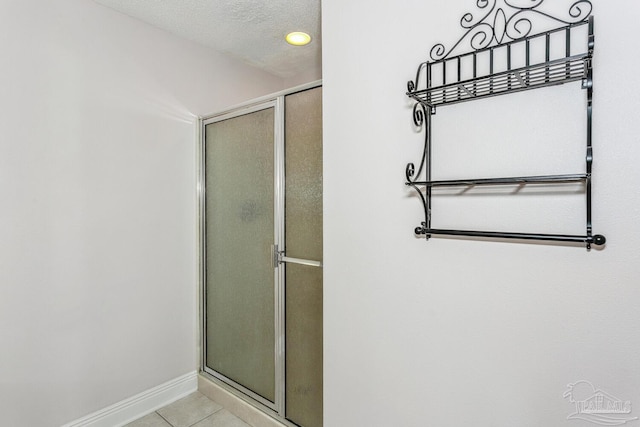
(195, 410)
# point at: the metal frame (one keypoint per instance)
(491, 33)
(275, 409)
(247, 399)
(279, 241)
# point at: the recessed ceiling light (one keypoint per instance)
(298, 38)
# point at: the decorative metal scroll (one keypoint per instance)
(506, 20)
(420, 111)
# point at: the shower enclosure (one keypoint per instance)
(261, 253)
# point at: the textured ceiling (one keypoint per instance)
(250, 30)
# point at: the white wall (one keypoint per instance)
(98, 283)
(310, 74)
(450, 332)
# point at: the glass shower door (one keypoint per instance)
(240, 280)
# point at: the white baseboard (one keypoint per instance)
(141, 404)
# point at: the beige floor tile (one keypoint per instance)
(151, 420)
(222, 418)
(188, 411)
(250, 414)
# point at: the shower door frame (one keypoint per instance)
(276, 101)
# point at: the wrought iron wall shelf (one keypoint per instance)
(505, 57)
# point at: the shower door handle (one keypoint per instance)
(300, 261)
(279, 257)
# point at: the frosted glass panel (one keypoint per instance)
(239, 234)
(304, 345)
(303, 169)
(303, 239)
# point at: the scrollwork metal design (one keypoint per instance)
(412, 84)
(506, 21)
(419, 114)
